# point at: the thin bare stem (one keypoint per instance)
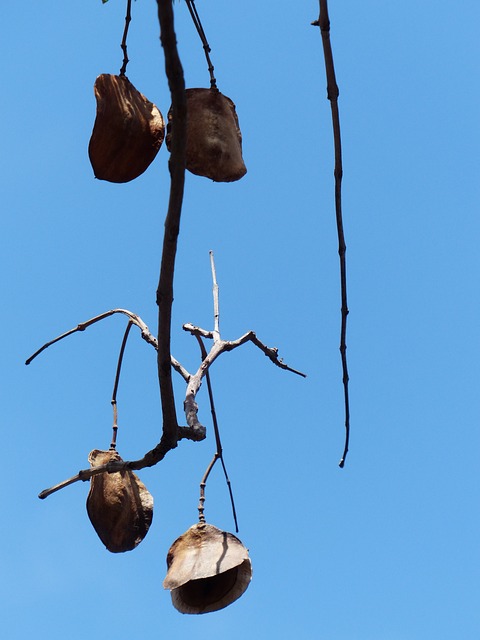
(206, 47)
(219, 452)
(128, 18)
(332, 93)
(203, 484)
(216, 306)
(113, 444)
(134, 319)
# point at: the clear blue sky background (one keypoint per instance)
(385, 549)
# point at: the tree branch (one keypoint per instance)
(176, 82)
(332, 94)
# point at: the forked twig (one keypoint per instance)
(206, 47)
(219, 450)
(332, 93)
(195, 430)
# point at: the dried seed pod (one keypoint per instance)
(119, 505)
(128, 130)
(214, 140)
(208, 569)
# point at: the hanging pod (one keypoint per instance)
(128, 130)
(214, 140)
(208, 569)
(119, 505)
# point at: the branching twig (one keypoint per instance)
(332, 93)
(206, 47)
(228, 345)
(219, 450)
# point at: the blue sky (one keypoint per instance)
(385, 549)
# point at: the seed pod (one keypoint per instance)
(208, 569)
(119, 505)
(214, 140)
(128, 130)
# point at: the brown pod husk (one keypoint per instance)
(208, 569)
(128, 130)
(214, 140)
(119, 505)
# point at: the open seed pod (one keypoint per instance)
(208, 569)
(119, 505)
(214, 140)
(128, 130)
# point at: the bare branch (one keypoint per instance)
(332, 93)
(206, 47)
(176, 82)
(134, 319)
(115, 385)
(219, 451)
(228, 345)
(123, 46)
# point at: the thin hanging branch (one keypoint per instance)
(206, 47)
(332, 93)
(113, 444)
(219, 449)
(218, 453)
(128, 18)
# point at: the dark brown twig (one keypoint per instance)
(113, 444)
(128, 18)
(206, 47)
(332, 93)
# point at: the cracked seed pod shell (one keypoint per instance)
(119, 505)
(128, 130)
(214, 139)
(208, 569)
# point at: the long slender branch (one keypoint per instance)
(113, 443)
(176, 82)
(134, 319)
(206, 47)
(332, 93)
(219, 451)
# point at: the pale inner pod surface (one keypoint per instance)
(208, 569)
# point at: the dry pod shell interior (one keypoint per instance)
(128, 130)
(208, 569)
(214, 140)
(119, 505)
